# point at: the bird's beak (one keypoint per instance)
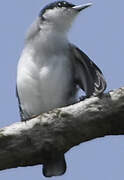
(81, 7)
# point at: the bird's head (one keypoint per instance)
(55, 18)
(60, 14)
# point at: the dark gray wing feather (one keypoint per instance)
(87, 75)
(19, 103)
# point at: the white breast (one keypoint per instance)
(43, 84)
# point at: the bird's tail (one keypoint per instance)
(55, 165)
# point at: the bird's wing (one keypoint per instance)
(19, 104)
(87, 75)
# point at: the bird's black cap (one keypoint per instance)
(56, 4)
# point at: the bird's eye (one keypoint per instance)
(59, 4)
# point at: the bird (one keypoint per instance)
(51, 71)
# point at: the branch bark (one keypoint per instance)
(24, 143)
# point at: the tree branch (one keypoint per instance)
(24, 143)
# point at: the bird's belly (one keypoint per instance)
(55, 85)
(48, 90)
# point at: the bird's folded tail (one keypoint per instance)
(55, 165)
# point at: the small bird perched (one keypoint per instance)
(51, 71)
